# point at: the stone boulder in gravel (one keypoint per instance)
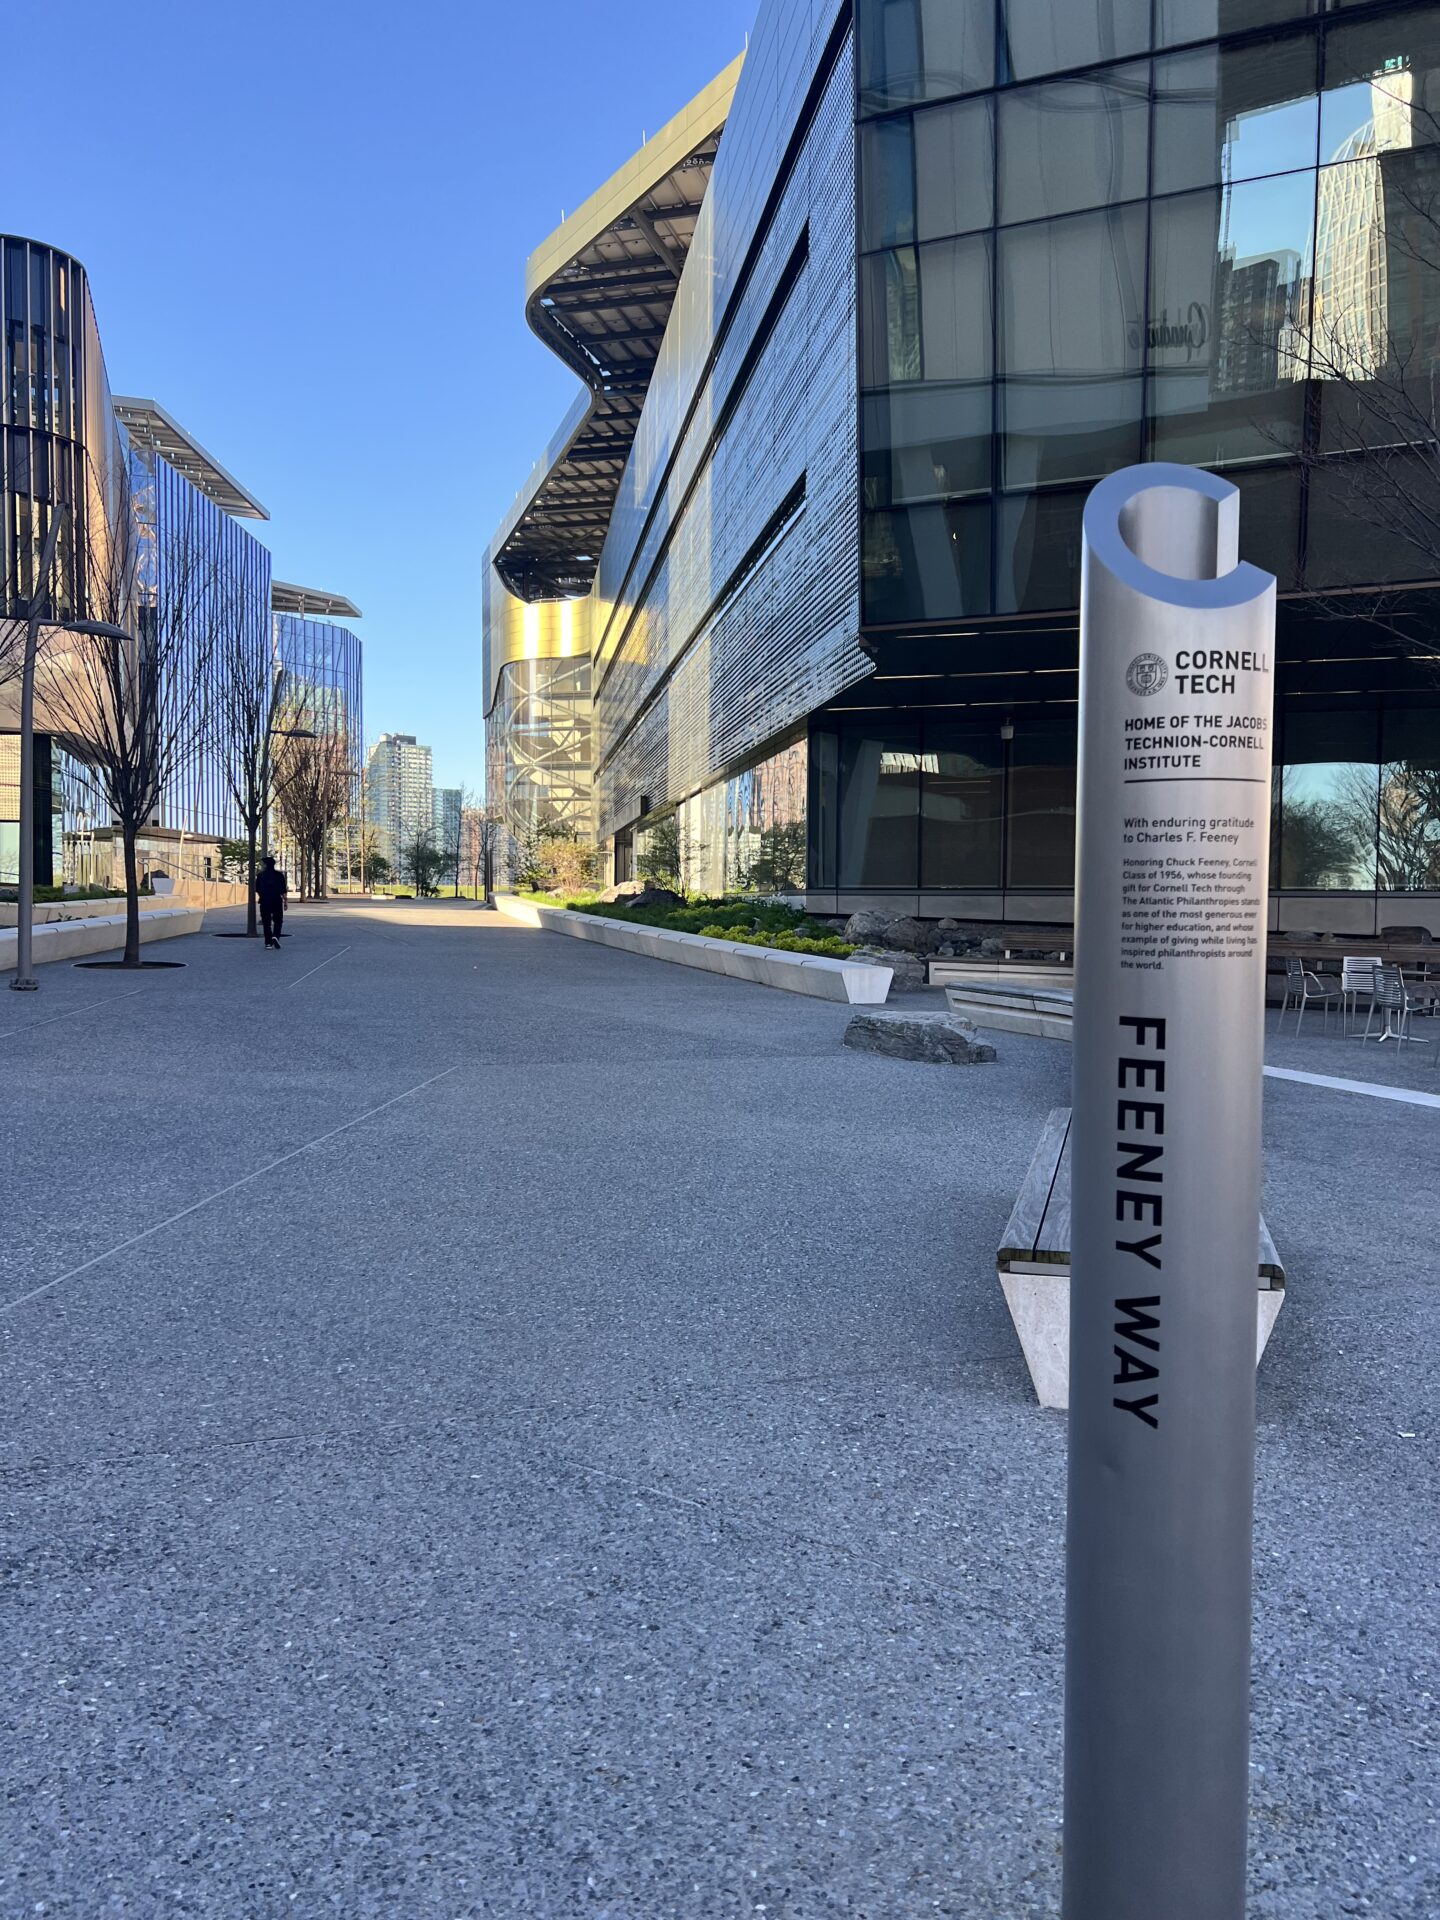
(908, 970)
(940, 1039)
(656, 897)
(912, 936)
(866, 929)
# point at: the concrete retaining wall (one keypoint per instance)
(859, 983)
(104, 933)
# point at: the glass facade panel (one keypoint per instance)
(887, 184)
(927, 562)
(1235, 113)
(1330, 795)
(1353, 532)
(879, 806)
(1074, 144)
(924, 50)
(1039, 551)
(954, 169)
(1408, 842)
(1381, 79)
(1229, 307)
(1073, 296)
(1041, 836)
(1043, 37)
(1177, 21)
(926, 443)
(962, 805)
(1063, 432)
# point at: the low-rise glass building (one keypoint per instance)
(940, 265)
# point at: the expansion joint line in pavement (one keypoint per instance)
(234, 1186)
(72, 1013)
(315, 969)
(1407, 1096)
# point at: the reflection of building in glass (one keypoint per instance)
(1064, 249)
(398, 794)
(445, 818)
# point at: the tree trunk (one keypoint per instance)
(252, 861)
(132, 899)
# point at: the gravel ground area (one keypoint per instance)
(493, 1425)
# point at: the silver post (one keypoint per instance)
(1176, 676)
(24, 980)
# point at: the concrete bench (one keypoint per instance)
(1014, 1007)
(1033, 1265)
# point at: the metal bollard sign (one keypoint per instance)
(1176, 676)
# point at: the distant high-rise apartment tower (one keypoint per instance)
(445, 818)
(398, 792)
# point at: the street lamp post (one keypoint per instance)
(24, 980)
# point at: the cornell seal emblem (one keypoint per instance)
(1146, 674)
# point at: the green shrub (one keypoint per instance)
(753, 923)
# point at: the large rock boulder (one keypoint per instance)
(940, 1039)
(909, 970)
(655, 897)
(866, 929)
(622, 890)
(911, 935)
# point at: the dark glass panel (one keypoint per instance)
(1042, 802)
(1270, 520)
(887, 184)
(879, 805)
(1229, 306)
(1054, 430)
(954, 169)
(1330, 794)
(962, 782)
(1073, 295)
(926, 312)
(1177, 21)
(1235, 113)
(889, 317)
(824, 805)
(1039, 551)
(927, 562)
(1382, 85)
(1042, 36)
(1408, 851)
(924, 50)
(1074, 144)
(926, 443)
(1357, 511)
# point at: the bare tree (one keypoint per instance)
(128, 692)
(313, 776)
(252, 692)
(481, 834)
(421, 861)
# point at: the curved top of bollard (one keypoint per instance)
(1171, 533)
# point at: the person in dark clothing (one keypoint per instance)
(271, 887)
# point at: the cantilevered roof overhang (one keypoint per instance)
(311, 603)
(149, 425)
(599, 292)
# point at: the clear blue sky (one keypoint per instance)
(306, 223)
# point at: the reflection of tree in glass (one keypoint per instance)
(1408, 853)
(1318, 844)
(669, 854)
(779, 863)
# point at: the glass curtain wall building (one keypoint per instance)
(956, 260)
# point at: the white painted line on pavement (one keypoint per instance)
(1407, 1095)
(91, 1006)
(315, 969)
(220, 1192)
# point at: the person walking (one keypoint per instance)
(271, 888)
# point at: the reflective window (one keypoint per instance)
(924, 49)
(926, 443)
(927, 312)
(879, 806)
(1043, 37)
(1356, 519)
(1056, 431)
(1235, 113)
(927, 562)
(962, 790)
(1330, 793)
(1408, 833)
(927, 175)
(1270, 517)
(1177, 21)
(1074, 144)
(1382, 85)
(1038, 563)
(1042, 802)
(1073, 295)
(1229, 310)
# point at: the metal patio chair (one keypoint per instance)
(1357, 976)
(1304, 988)
(1391, 1000)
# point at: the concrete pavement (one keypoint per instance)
(496, 1426)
